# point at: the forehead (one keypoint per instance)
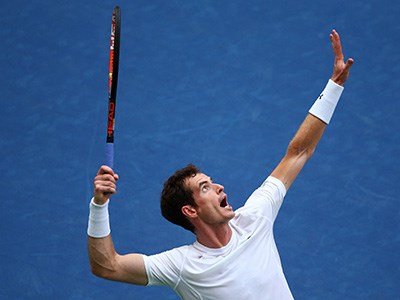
(196, 181)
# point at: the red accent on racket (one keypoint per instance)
(112, 83)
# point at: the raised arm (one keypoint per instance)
(305, 141)
(104, 260)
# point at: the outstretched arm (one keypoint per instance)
(310, 132)
(104, 260)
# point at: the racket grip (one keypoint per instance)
(110, 155)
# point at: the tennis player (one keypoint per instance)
(234, 255)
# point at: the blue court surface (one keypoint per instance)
(222, 84)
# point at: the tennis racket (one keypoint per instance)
(112, 83)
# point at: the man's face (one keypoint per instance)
(212, 203)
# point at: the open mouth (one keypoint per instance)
(224, 202)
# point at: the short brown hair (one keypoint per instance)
(177, 194)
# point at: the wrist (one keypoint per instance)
(99, 201)
(325, 105)
(99, 224)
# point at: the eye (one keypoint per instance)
(205, 188)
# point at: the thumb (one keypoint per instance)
(349, 63)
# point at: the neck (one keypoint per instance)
(212, 237)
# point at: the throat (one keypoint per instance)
(214, 238)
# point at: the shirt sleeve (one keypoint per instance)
(267, 199)
(164, 268)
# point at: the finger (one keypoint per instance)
(104, 187)
(336, 45)
(105, 178)
(105, 170)
(101, 182)
(341, 77)
(104, 182)
(348, 65)
(100, 190)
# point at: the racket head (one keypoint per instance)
(113, 83)
(114, 53)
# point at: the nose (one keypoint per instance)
(218, 188)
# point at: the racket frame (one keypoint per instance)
(113, 83)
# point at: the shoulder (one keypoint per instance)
(265, 200)
(274, 187)
(164, 268)
(175, 254)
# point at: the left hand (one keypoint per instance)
(341, 70)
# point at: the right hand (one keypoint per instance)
(341, 69)
(105, 184)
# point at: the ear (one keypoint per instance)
(189, 211)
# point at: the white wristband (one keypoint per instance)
(99, 224)
(325, 105)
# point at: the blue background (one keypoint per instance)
(222, 84)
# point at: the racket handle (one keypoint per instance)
(110, 155)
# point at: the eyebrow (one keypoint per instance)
(201, 183)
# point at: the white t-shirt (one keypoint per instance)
(247, 268)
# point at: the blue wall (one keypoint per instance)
(222, 84)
